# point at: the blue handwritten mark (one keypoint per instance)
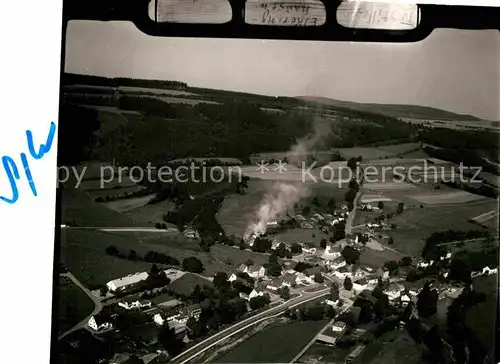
(12, 171)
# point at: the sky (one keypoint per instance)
(454, 70)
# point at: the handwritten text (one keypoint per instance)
(12, 171)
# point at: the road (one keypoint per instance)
(123, 229)
(213, 340)
(97, 305)
(350, 217)
(313, 340)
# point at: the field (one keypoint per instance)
(291, 337)
(128, 204)
(416, 224)
(185, 284)
(377, 258)
(380, 152)
(182, 100)
(238, 211)
(439, 198)
(393, 347)
(151, 213)
(298, 235)
(83, 252)
(77, 208)
(74, 305)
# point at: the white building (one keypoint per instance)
(99, 322)
(308, 250)
(125, 282)
(134, 303)
(256, 271)
(342, 273)
(333, 251)
(232, 277)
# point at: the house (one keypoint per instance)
(447, 256)
(245, 292)
(256, 292)
(404, 299)
(134, 303)
(306, 225)
(360, 285)
(300, 218)
(256, 271)
(308, 250)
(311, 272)
(102, 320)
(191, 234)
(414, 288)
(333, 251)
(372, 279)
(330, 302)
(394, 291)
(339, 326)
(338, 263)
(275, 284)
(121, 284)
(318, 216)
(383, 274)
(233, 277)
(342, 273)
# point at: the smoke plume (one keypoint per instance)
(283, 196)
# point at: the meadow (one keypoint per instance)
(416, 224)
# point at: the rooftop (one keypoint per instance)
(130, 279)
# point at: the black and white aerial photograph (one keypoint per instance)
(277, 201)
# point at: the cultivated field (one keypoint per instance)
(449, 197)
(291, 337)
(182, 100)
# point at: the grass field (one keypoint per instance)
(394, 347)
(79, 209)
(416, 224)
(83, 251)
(151, 213)
(74, 305)
(377, 258)
(185, 284)
(236, 256)
(290, 339)
(303, 236)
(129, 203)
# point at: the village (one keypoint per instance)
(331, 273)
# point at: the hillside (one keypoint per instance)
(395, 111)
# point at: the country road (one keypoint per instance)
(213, 340)
(97, 303)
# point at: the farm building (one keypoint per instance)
(125, 282)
